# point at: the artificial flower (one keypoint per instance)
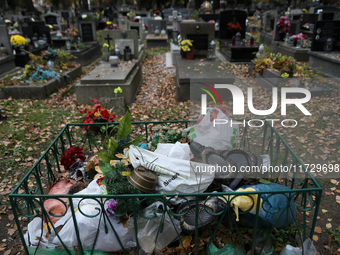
(109, 206)
(70, 156)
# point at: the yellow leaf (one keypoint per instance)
(324, 210)
(328, 225)
(315, 238)
(318, 230)
(329, 219)
(119, 155)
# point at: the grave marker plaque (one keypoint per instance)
(51, 20)
(122, 43)
(324, 30)
(87, 30)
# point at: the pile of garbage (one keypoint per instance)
(165, 164)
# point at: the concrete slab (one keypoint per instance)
(187, 70)
(156, 41)
(168, 60)
(300, 54)
(102, 81)
(329, 61)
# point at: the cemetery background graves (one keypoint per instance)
(157, 94)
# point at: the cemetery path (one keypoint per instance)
(33, 124)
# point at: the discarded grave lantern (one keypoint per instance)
(127, 53)
(143, 179)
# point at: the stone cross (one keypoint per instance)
(175, 19)
(108, 38)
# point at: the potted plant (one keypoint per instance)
(289, 66)
(308, 26)
(131, 16)
(187, 47)
(284, 27)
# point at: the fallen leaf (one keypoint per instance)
(315, 238)
(318, 230)
(335, 182)
(324, 210)
(11, 231)
(328, 225)
(11, 217)
(329, 219)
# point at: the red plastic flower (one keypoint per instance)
(70, 156)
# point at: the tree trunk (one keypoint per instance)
(29, 6)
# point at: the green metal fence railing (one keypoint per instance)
(28, 197)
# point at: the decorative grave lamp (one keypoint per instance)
(41, 42)
(157, 32)
(252, 41)
(44, 37)
(22, 48)
(117, 51)
(113, 59)
(35, 40)
(299, 43)
(163, 31)
(211, 51)
(328, 45)
(238, 39)
(287, 38)
(233, 41)
(59, 35)
(3, 49)
(68, 43)
(127, 53)
(259, 54)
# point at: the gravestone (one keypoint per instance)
(208, 17)
(138, 27)
(52, 19)
(232, 16)
(74, 21)
(324, 30)
(6, 63)
(167, 13)
(202, 33)
(308, 18)
(110, 36)
(184, 13)
(88, 31)
(153, 40)
(123, 23)
(322, 8)
(329, 15)
(102, 81)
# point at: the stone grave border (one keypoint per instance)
(270, 79)
(41, 91)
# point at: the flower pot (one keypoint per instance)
(190, 55)
(288, 72)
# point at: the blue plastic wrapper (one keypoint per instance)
(274, 211)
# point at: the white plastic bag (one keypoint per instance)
(219, 135)
(308, 248)
(177, 150)
(174, 175)
(148, 228)
(88, 226)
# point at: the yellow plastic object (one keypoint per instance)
(244, 202)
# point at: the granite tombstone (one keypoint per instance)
(88, 30)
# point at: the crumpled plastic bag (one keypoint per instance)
(177, 150)
(148, 228)
(308, 248)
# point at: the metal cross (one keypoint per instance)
(175, 19)
(108, 38)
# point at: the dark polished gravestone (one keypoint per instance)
(232, 16)
(240, 52)
(325, 31)
(201, 33)
(88, 31)
(188, 70)
(7, 61)
(209, 17)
